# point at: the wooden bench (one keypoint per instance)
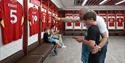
(36, 54)
(39, 54)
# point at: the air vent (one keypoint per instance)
(78, 2)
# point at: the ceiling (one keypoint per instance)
(96, 2)
(73, 4)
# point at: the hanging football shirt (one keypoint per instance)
(43, 20)
(13, 13)
(34, 20)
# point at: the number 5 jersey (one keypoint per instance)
(12, 18)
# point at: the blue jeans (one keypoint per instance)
(85, 53)
(52, 40)
(102, 54)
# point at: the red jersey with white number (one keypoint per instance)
(1, 10)
(77, 24)
(43, 21)
(34, 20)
(120, 22)
(50, 21)
(13, 13)
(0, 13)
(61, 25)
(69, 23)
(111, 22)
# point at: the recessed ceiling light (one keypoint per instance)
(84, 2)
(119, 2)
(104, 1)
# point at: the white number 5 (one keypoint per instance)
(12, 15)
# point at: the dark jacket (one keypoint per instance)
(45, 37)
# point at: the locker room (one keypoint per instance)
(62, 31)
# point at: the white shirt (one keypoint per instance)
(102, 25)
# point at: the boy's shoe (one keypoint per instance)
(63, 46)
(54, 53)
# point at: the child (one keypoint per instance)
(91, 39)
(93, 34)
(48, 37)
(55, 34)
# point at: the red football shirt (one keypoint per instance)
(69, 24)
(34, 19)
(111, 22)
(43, 21)
(49, 20)
(1, 10)
(120, 22)
(12, 20)
(77, 24)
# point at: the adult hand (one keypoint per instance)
(56, 18)
(90, 43)
(78, 39)
(95, 50)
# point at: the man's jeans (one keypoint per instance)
(86, 52)
(102, 54)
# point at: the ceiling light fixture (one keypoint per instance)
(104, 1)
(84, 2)
(119, 2)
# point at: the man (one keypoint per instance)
(93, 35)
(102, 46)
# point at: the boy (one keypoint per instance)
(91, 39)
